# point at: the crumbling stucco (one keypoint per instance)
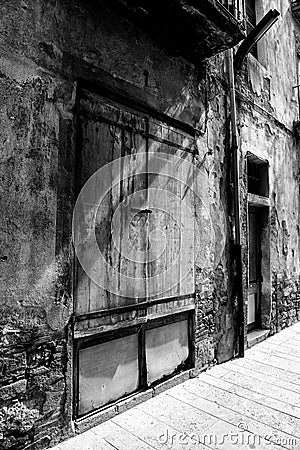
(46, 50)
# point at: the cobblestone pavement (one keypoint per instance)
(250, 403)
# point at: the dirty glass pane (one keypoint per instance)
(166, 349)
(107, 372)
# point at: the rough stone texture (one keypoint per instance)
(285, 302)
(216, 325)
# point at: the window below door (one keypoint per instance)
(114, 365)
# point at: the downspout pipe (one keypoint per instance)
(235, 64)
(237, 220)
(254, 36)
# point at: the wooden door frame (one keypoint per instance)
(185, 303)
(252, 209)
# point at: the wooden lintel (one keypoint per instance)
(127, 308)
(99, 81)
(258, 200)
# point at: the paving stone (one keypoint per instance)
(276, 361)
(265, 387)
(219, 370)
(156, 433)
(120, 438)
(178, 414)
(85, 441)
(274, 351)
(266, 377)
(265, 368)
(192, 396)
(281, 348)
(230, 437)
(255, 392)
(269, 416)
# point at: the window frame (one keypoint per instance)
(90, 341)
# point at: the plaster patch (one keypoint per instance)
(18, 69)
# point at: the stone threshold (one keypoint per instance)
(256, 336)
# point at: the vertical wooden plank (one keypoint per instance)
(129, 231)
(165, 228)
(174, 219)
(187, 283)
(99, 145)
(103, 142)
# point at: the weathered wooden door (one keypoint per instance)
(253, 314)
(144, 231)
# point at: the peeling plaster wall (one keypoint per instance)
(33, 339)
(268, 107)
(43, 46)
(216, 328)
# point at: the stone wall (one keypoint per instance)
(285, 301)
(32, 343)
(268, 108)
(46, 48)
(216, 315)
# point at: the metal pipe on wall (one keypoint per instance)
(237, 220)
(235, 64)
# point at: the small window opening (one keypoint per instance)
(258, 176)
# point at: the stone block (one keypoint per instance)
(12, 391)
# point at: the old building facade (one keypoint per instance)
(116, 126)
